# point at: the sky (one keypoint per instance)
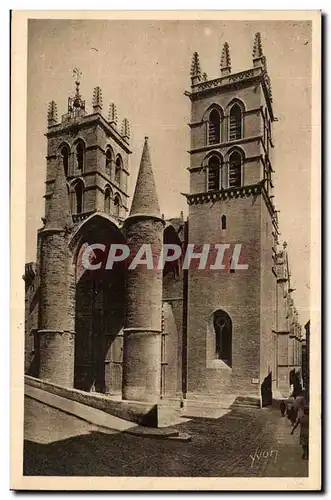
(143, 66)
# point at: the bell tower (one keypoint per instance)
(231, 311)
(93, 150)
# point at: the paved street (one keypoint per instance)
(243, 443)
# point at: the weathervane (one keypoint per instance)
(76, 101)
(77, 74)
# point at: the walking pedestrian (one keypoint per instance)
(282, 407)
(303, 421)
(291, 410)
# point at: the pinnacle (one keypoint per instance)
(52, 112)
(145, 199)
(59, 216)
(195, 65)
(97, 97)
(257, 47)
(225, 57)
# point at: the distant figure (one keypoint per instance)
(297, 386)
(292, 414)
(299, 405)
(291, 410)
(282, 407)
(304, 431)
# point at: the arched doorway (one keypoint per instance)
(223, 336)
(99, 307)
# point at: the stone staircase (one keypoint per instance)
(249, 402)
(105, 421)
(207, 406)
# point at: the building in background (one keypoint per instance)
(305, 360)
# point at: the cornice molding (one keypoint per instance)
(223, 194)
(224, 83)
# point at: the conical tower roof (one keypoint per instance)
(145, 201)
(58, 215)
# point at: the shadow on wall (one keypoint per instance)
(266, 390)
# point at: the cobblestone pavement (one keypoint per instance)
(243, 443)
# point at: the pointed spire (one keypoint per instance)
(145, 199)
(58, 215)
(260, 60)
(225, 59)
(112, 114)
(195, 69)
(126, 130)
(97, 100)
(52, 113)
(257, 48)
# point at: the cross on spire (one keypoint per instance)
(76, 103)
(77, 74)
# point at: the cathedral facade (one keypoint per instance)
(165, 334)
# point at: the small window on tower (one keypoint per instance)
(108, 159)
(79, 194)
(65, 159)
(223, 336)
(80, 156)
(235, 169)
(117, 205)
(235, 123)
(214, 127)
(118, 168)
(107, 200)
(223, 222)
(214, 169)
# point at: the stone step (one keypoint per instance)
(196, 396)
(204, 412)
(79, 410)
(246, 401)
(216, 403)
(243, 406)
(97, 417)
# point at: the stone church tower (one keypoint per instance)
(142, 332)
(231, 312)
(101, 330)
(94, 154)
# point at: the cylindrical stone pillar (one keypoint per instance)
(56, 327)
(142, 332)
